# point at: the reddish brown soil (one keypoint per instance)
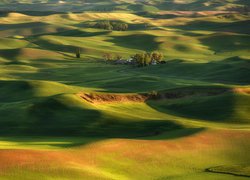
(109, 98)
(99, 98)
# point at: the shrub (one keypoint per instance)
(78, 53)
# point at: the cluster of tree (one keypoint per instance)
(117, 26)
(144, 59)
(110, 57)
(106, 9)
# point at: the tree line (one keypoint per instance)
(144, 59)
(107, 25)
(140, 59)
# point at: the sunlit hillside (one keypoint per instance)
(67, 112)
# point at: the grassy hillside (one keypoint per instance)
(124, 5)
(195, 127)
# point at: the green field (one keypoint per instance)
(198, 127)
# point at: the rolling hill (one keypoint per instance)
(125, 5)
(67, 118)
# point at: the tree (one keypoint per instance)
(111, 25)
(126, 27)
(78, 53)
(138, 59)
(142, 59)
(108, 57)
(104, 25)
(118, 57)
(147, 59)
(157, 56)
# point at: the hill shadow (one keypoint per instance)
(80, 33)
(41, 13)
(235, 27)
(11, 55)
(30, 29)
(23, 25)
(209, 103)
(220, 42)
(144, 42)
(52, 117)
(44, 44)
(231, 70)
(78, 141)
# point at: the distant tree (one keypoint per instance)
(138, 58)
(147, 59)
(108, 57)
(119, 26)
(118, 57)
(144, 59)
(104, 25)
(78, 53)
(111, 25)
(157, 56)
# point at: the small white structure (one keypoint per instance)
(153, 62)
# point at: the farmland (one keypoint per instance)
(63, 117)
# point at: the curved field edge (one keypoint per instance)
(236, 170)
(198, 119)
(124, 158)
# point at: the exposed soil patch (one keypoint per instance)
(241, 90)
(97, 98)
(111, 98)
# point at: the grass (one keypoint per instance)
(237, 170)
(49, 132)
(124, 5)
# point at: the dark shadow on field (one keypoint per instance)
(11, 54)
(231, 70)
(25, 115)
(53, 117)
(210, 103)
(23, 25)
(181, 48)
(80, 33)
(39, 13)
(144, 42)
(53, 141)
(234, 70)
(30, 29)
(12, 57)
(14, 90)
(191, 6)
(235, 27)
(4, 13)
(78, 141)
(44, 44)
(221, 42)
(155, 15)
